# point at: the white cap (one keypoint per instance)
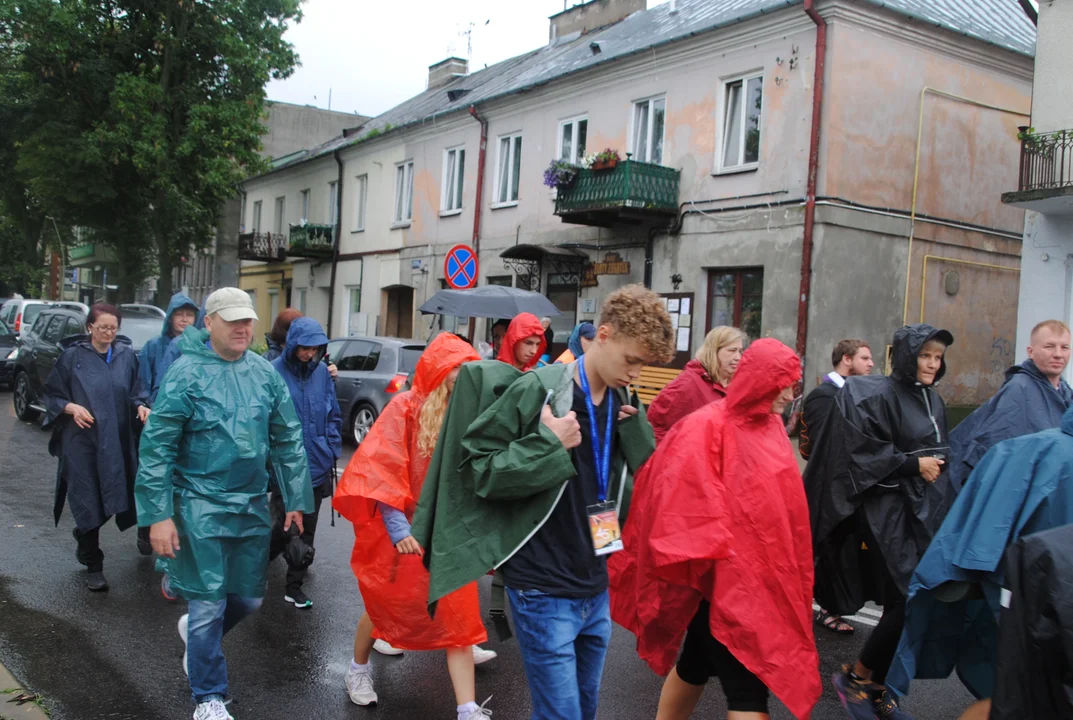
(231, 304)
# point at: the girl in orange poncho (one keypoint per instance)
(378, 494)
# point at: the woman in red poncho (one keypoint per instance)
(524, 342)
(378, 494)
(718, 552)
(704, 379)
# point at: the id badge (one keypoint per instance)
(603, 524)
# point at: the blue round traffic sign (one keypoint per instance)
(460, 267)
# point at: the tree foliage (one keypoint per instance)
(136, 119)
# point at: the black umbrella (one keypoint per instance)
(489, 301)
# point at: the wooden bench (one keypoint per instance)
(652, 380)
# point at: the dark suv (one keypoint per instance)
(40, 348)
(38, 352)
(371, 371)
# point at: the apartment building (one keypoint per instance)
(737, 195)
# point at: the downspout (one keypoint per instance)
(813, 171)
(649, 253)
(338, 239)
(478, 199)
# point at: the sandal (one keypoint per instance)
(834, 623)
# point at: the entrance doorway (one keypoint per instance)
(398, 311)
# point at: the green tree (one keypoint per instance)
(138, 118)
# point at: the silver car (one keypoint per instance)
(371, 371)
(19, 314)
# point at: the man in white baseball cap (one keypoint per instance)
(221, 415)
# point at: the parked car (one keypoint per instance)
(8, 352)
(40, 348)
(20, 314)
(371, 370)
(132, 309)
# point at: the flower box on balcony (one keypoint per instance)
(631, 192)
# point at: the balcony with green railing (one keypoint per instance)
(631, 193)
(311, 241)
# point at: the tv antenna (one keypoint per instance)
(468, 34)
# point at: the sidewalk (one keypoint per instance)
(10, 688)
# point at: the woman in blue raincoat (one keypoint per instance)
(313, 394)
(158, 354)
(94, 394)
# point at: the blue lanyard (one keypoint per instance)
(602, 454)
(108, 359)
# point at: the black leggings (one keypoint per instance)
(882, 644)
(703, 657)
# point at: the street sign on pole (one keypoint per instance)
(460, 267)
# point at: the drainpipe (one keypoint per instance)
(649, 252)
(813, 168)
(481, 156)
(478, 199)
(338, 239)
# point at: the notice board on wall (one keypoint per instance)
(681, 308)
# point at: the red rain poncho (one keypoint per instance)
(719, 514)
(389, 468)
(687, 393)
(523, 326)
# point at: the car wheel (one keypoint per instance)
(23, 397)
(364, 417)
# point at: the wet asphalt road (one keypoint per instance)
(117, 656)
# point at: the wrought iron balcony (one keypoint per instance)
(1046, 161)
(264, 247)
(312, 241)
(1045, 176)
(630, 193)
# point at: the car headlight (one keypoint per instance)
(13, 354)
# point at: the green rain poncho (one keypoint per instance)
(202, 463)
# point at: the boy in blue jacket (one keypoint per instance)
(313, 393)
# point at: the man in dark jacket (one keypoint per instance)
(313, 393)
(850, 357)
(1033, 398)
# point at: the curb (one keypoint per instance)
(14, 711)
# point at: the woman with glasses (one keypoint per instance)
(93, 396)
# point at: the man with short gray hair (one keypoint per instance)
(221, 414)
(1033, 398)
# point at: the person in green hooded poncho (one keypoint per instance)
(221, 416)
(532, 476)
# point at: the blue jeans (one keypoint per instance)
(563, 643)
(208, 623)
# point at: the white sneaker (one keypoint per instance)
(184, 626)
(480, 713)
(384, 648)
(214, 710)
(359, 685)
(481, 656)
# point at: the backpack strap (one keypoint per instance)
(498, 609)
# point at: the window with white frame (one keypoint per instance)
(361, 197)
(304, 218)
(404, 192)
(572, 136)
(302, 301)
(649, 117)
(509, 169)
(454, 170)
(255, 225)
(742, 103)
(333, 202)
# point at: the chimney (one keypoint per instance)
(446, 71)
(589, 16)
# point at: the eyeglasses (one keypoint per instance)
(106, 329)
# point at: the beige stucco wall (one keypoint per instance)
(1052, 105)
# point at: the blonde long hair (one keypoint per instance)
(430, 419)
(708, 355)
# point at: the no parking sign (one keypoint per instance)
(460, 267)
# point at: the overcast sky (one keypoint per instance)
(373, 54)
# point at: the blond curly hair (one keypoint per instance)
(637, 313)
(430, 419)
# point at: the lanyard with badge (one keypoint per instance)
(603, 516)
